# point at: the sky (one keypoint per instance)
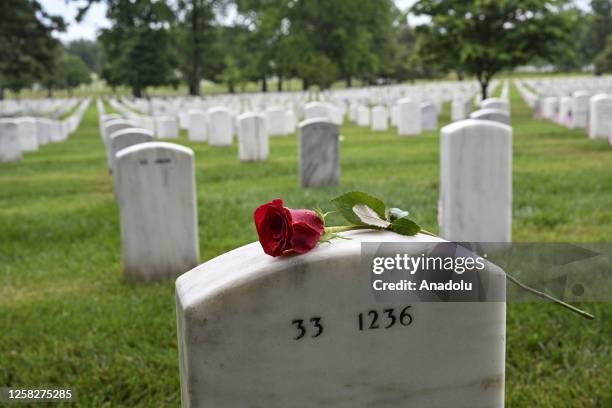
(95, 18)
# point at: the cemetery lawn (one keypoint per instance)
(67, 318)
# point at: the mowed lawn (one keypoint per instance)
(67, 318)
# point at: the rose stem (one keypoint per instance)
(344, 228)
(549, 297)
(509, 277)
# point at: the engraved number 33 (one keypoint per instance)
(315, 322)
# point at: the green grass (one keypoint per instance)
(67, 318)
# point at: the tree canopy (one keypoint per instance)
(153, 43)
(484, 37)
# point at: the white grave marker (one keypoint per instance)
(253, 144)
(476, 181)
(257, 331)
(319, 153)
(155, 184)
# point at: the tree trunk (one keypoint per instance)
(49, 92)
(196, 62)
(230, 87)
(1, 94)
(460, 75)
(484, 84)
(349, 81)
(264, 84)
(305, 85)
(279, 85)
(137, 92)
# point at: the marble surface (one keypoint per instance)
(394, 115)
(565, 111)
(495, 103)
(476, 181)
(409, 117)
(276, 117)
(495, 115)
(363, 116)
(550, 107)
(319, 153)
(317, 110)
(429, 116)
(166, 127)
(43, 129)
(460, 108)
(380, 118)
(238, 347)
(28, 134)
(102, 120)
(580, 109)
(197, 125)
(123, 138)
(600, 121)
(113, 125)
(290, 122)
(10, 147)
(253, 144)
(220, 127)
(155, 184)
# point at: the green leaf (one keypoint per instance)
(405, 226)
(369, 217)
(397, 213)
(347, 201)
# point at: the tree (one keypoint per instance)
(196, 39)
(603, 62)
(88, 51)
(320, 71)
(137, 50)
(76, 71)
(26, 43)
(483, 37)
(599, 28)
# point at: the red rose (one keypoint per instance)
(282, 230)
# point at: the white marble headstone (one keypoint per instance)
(380, 118)
(363, 116)
(220, 126)
(460, 108)
(495, 103)
(476, 181)
(580, 109)
(317, 110)
(123, 138)
(166, 127)
(28, 134)
(155, 184)
(277, 118)
(409, 117)
(111, 126)
(10, 147)
(495, 115)
(565, 111)
(429, 116)
(197, 130)
(319, 153)
(253, 144)
(239, 320)
(600, 122)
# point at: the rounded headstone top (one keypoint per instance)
(316, 120)
(131, 130)
(249, 262)
(152, 146)
(472, 123)
(248, 115)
